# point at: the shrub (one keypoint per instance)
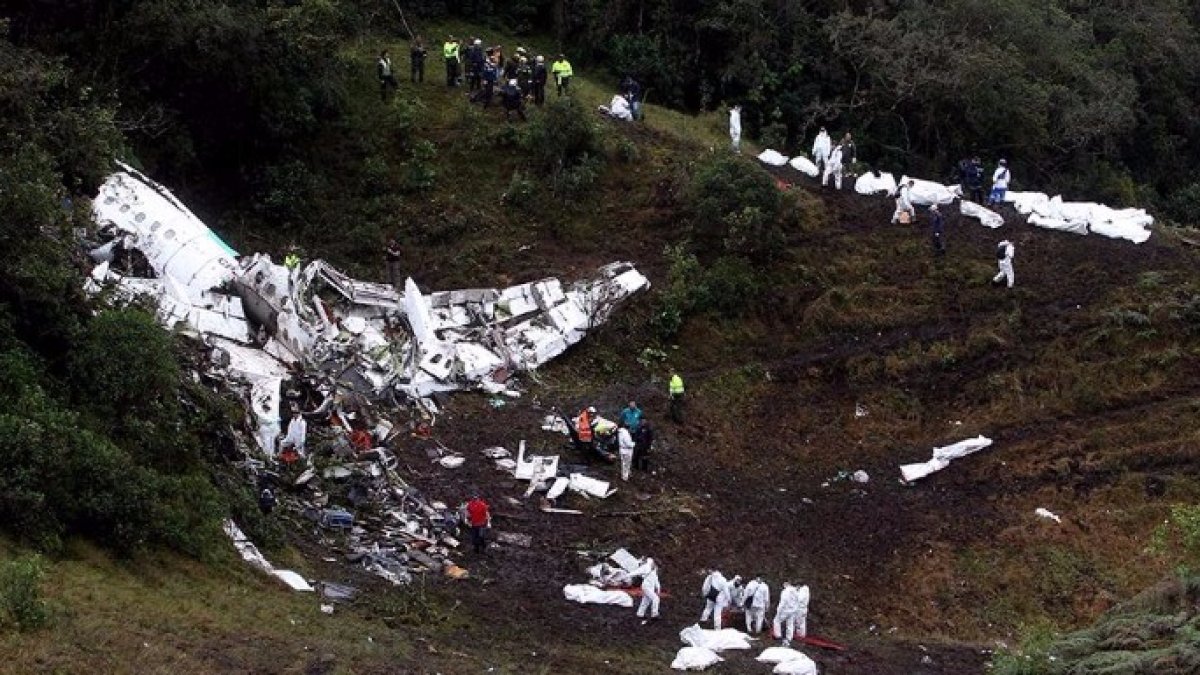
(731, 286)
(754, 234)
(419, 171)
(564, 135)
(1183, 205)
(735, 202)
(21, 603)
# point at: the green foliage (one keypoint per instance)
(735, 203)
(1183, 205)
(21, 603)
(420, 174)
(728, 287)
(565, 146)
(1030, 657)
(93, 435)
(1181, 531)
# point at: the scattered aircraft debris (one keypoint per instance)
(306, 342)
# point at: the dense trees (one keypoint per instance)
(94, 437)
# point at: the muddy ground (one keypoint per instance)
(917, 579)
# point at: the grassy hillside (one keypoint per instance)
(1084, 374)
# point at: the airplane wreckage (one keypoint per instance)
(310, 342)
(265, 320)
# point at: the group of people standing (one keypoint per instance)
(969, 173)
(486, 71)
(634, 437)
(754, 599)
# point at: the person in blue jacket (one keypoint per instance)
(631, 416)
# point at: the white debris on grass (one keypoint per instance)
(716, 640)
(695, 658)
(1046, 513)
(987, 217)
(251, 554)
(871, 183)
(1082, 217)
(779, 655)
(805, 166)
(589, 594)
(926, 193)
(772, 158)
(800, 666)
(942, 457)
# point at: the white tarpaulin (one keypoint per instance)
(1073, 226)
(716, 640)
(1083, 217)
(1028, 202)
(694, 658)
(925, 192)
(805, 166)
(942, 457)
(772, 158)
(586, 594)
(871, 184)
(800, 666)
(779, 655)
(985, 216)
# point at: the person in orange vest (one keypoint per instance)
(585, 430)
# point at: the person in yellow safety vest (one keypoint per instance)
(450, 53)
(561, 70)
(291, 260)
(585, 432)
(676, 391)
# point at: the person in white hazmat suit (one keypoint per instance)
(833, 168)
(625, 446)
(297, 434)
(735, 128)
(821, 148)
(905, 213)
(728, 597)
(650, 590)
(714, 583)
(791, 616)
(757, 599)
(1004, 260)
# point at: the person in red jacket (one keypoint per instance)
(479, 518)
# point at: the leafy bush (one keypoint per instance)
(1183, 205)
(730, 287)
(420, 172)
(733, 201)
(21, 603)
(564, 134)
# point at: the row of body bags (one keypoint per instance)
(1042, 210)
